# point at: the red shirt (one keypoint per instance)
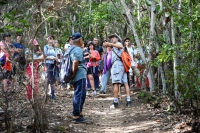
(97, 57)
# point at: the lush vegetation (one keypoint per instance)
(167, 30)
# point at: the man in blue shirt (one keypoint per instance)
(18, 45)
(79, 77)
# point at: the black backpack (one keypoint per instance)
(66, 68)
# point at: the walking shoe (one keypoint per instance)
(80, 120)
(128, 103)
(13, 91)
(53, 97)
(114, 105)
(68, 86)
(97, 89)
(88, 89)
(102, 92)
(94, 93)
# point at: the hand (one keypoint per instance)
(107, 44)
(56, 59)
(91, 56)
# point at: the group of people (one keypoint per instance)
(90, 60)
(28, 58)
(93, 66)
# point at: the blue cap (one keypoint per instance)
(76, 35)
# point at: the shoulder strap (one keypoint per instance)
(71, 50)
(116, 54)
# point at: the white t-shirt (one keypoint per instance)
(132, 52)
(67, 45)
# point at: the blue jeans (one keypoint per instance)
(79, 96)
(96, 78)
(51, 76)
(104, 80)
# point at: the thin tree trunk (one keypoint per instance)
(138, 11)
(175, 58)
(162, 75)
(152, 41)
(132, 25)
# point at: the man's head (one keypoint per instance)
(95, 41)
(19, 38)
(6, 37)
(77, 39)
(50, 40)
(127, 41)
(114, 38)
(70, 40)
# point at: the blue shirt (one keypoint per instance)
(17, 45)
(77, 54)
(28, 54)
(49, 52)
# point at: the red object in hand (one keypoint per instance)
(58, 55)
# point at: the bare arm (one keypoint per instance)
(75, 68)
(117, 45)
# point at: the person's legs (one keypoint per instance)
(79, 97)
(96, 78)
(91, 80)
(83, 96)
(133, 77)
(51, 79)
(13, 83)
(104, 81)
(5, 85)
(127, 89)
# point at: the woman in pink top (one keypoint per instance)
(92, 65)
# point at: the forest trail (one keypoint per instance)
(139, 118)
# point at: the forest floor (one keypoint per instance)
(139, 118)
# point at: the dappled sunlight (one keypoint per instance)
(141, 126)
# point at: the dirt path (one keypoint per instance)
(140, 118)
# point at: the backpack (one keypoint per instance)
(126, 60)
(3, 60)
(66, 68)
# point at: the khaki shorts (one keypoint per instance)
(118, 74)
(136, 71)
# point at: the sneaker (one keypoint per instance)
(68, 86)
(97, 89)
(53, 97)
(5, 93)
(114, 105)
(102, 92)
(128, 103)
(80, 120)
(13, 91)
(94, 93)
(89, 89)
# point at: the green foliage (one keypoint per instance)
(3, 2)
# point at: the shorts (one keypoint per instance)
(136, 71)
(100, 63)
(118, 74)
(8, 75)
(89, 71)
(51, 73)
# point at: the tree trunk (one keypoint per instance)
(132, 25)
(175, 58)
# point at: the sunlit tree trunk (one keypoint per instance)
(175, 58)
(138, 11)
(132, 25)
